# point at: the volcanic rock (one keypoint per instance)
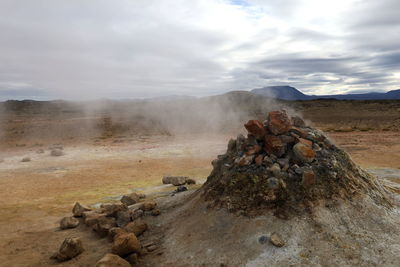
(274, 145)
(90, 218)
(278, 122)
(70, 248)
(111, 210)
(303, 153)
(175, 180)
(308, 178)
(123, 217)
(190, 181)
(78, 209)
(255, 128)
(103, 225)
(112, 260)
(276, 240)
(113, 232)
(155, 212)
(125, 244)
(148, 205)
(181, 188)
(130, 199)
(68, 222)
(137, 227)
(298, 121)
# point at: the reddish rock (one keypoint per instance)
(148, 205)
(255, 128)
(125, 244)
(303, 153)
(259, 160)
(112, 260)
(279, 122)
(308, 178)
(274, 145)
(253, 150)
(305, 142)
(137, 227)
(299, 132)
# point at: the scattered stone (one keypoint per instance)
(279, 122)
(259, 160)
(111, 210)
(303, 153)
(298, 122)
(91, 218)
(190, 181)
(123, 217)
(70, 248)
(275, 169)
(78, 209)
(103, 226)
(175, 180)
(40, 151)
(255, 128)
(130, 199)
(276, 240)
(155, 212)
(148, 205)
(181, 188)
(113, 232)
(56, 152)
(68, 222)
(308, 178)
(125, 244)
(26, 159)
(263, 239)
(137, 227)
(112, 260)
(136, 214)
(274, 145)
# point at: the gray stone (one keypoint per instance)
(175, 180)
(70, 248)
(68, 222)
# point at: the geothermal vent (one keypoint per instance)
(285, 166)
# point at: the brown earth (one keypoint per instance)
(111, 159)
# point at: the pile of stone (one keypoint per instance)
(122, 223)
(283, 165)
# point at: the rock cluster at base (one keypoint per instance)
(283, 165)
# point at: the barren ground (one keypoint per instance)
(36, 194)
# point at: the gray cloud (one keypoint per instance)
(119, 49)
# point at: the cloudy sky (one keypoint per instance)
(78, 49)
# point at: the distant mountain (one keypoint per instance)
(291, 93)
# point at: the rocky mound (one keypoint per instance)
(286, 166)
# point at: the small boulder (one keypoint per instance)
(113, 232)
(190, 181)
(308, 178)
(181, 188)
(125, 244)
(78, 209)
(130, 199)
(111, 210)
(112, 260)
(91, 217)
(56, 152)
(137, 227)
(175, 180)
(255, 128)
(123, 217)
(148, 205)
(303, 153)
(70, 248)
(276, 240)
(279, 122)
(136, 214)
(68, 222)
(26, 159)
(103, 226)
(274, 145)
